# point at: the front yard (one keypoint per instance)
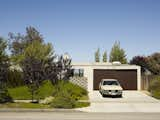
(61, 95)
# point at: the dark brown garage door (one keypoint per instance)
(127, 78)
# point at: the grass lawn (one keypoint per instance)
(37, 106)
(82, 104)
(46, 90)
(67, 89)
(85, 97)
(23, 105)
(22, 93)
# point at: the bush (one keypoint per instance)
(154, 87)
(67, 94)
(15, 78)
(46, 89)
(63, 100)
(22, 93)
(66, 87)
(5, 97)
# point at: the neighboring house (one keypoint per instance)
(129, 76)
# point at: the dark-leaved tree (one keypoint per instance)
(154, 63)
(64, 67)
(141, 61)
(4, 68)
(34, 63)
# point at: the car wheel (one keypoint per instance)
(120, 96)
(103, 95)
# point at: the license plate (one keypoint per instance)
(113, 93)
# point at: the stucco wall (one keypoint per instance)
(88, 71)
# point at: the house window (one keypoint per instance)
(78, 72)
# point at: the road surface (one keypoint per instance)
(77, 116)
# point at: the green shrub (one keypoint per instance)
(46, 89)
(67, 94)
(63, 100)
(154, 87)
(24, 105)
(15, 79)
(5, 97)
(22, 92)
(81, 104)
(67, 87)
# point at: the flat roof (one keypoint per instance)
(99, 64)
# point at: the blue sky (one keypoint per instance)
(79, 27)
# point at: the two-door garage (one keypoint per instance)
(127, 78)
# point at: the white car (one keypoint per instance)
(110, 87)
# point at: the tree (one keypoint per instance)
(34, 62)
(37, 60)
(141, 61)
(19, 42)
(154, 63)
(97, 55)
(117, 53)
(64, 67)
(105, 56)
(4, 68)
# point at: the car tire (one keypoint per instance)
(103, 95)
(120, 96)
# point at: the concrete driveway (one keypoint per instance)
(132, 101)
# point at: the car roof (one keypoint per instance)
(109, 80)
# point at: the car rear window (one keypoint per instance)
(110, 83)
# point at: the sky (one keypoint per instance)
(79, 27)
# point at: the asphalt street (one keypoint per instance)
(77, 116)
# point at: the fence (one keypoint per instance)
(80, 81)
(146, 81)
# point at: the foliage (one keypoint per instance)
(22, 92)
(97, 55)
(4, 96)
(46, 89)
(19, 42)
(36, 106)
(67, 95)
(154, 63)
(154, 87)
(37, 60)
(105, 56)
(34, 62)
(64, 100)
(64, 87)
(118, 54)
(64, 67)
(141, 61)
(24, 105)
(82, 104)
(4, 68)
(15, 78)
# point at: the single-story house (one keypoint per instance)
(129, 76)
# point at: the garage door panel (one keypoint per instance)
(127, 78)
